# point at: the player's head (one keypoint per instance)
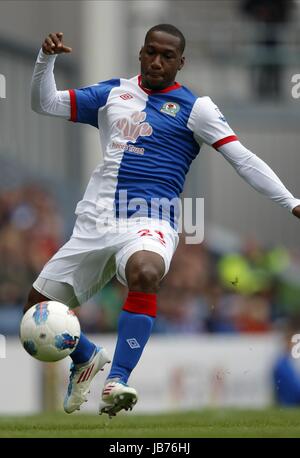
(161, 56)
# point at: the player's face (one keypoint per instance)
(161, 59)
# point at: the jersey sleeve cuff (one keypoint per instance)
(293, 203)
(45, 58)
(73, 117)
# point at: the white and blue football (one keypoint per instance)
(49, 331)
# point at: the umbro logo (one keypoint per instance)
(126, 96)
(133, 343)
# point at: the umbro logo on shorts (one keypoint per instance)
(133, 343)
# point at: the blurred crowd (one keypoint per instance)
(30, 233)
(251, 290)
(208, 288)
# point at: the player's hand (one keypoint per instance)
(53, 44)
(296, 211)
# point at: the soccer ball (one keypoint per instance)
(49, 331)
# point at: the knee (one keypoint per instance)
(145, 278)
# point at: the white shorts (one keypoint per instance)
(96, 252)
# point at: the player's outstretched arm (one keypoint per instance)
(45, 98)
(259, 175)
(209, 125)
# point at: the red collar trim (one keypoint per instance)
(161, 91)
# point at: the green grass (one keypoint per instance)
(207, 423)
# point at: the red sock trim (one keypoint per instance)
(138, 302)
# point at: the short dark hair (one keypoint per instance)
(172, 30)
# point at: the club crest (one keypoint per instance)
(170, 108)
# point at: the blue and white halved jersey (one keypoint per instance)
(149, 139)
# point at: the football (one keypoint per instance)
(49, 331)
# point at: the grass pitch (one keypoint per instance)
(204, 424)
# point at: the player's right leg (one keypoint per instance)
(141, 264)
(88, 359)
(144, 270)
